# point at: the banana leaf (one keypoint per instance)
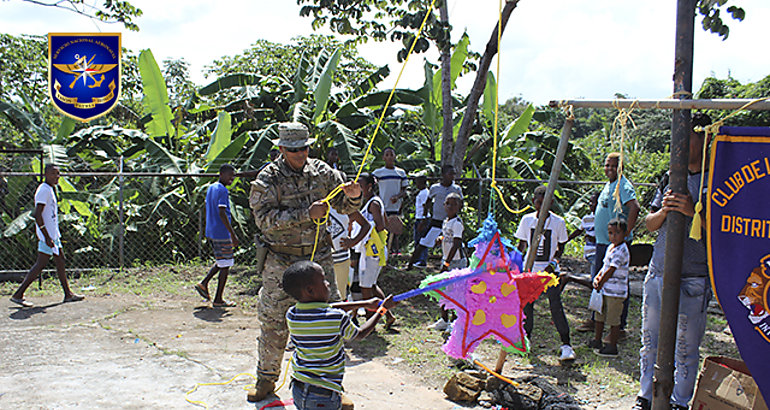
(323, 87)
(401, 96)
(490, 99)
(25, 122)
(228, 154)
(518, 127)
(155, 100)
(19, 224)
(230, 81)
(220, 138)
(459, 57)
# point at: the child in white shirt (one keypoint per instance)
(612, 281)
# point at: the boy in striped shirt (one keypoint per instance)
(318, 331)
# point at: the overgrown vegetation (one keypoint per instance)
(174, 126)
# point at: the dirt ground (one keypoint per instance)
(124, 351)
(143, 339)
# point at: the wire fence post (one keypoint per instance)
(479, 213)
(200, 234)
(121, 225)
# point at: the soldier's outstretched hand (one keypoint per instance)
(318, 209)
(352, 189)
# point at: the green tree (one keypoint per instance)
(711, 11)
(281, 60)
(110, 11)
(731, 88)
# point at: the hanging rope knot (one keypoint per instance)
(568, 110)
(622, 119)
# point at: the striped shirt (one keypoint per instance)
(317, 331)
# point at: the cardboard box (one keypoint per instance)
(726, 383)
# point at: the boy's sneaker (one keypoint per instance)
(567, 354)
(595, 344)
(608, 351)
(440, 324)
(420, 265)
(449, 327)
(642, 404)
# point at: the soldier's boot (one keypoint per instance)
(347, 404)
(262, 389)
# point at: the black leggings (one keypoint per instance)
(557, 313)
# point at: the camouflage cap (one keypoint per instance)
(293, 135)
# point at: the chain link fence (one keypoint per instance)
(115, 219)
(125, 219)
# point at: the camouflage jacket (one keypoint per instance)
(280, 198)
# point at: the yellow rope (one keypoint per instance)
(338, 189)
(695, 228)
(203, 403)
(285, 373)
(493, 185)
(624, 115)
(246, 387)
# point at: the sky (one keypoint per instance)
(551, 49)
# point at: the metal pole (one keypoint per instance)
(561, 152)
(663, 381)
(121, 228)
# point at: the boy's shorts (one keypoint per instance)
(223, 252)
(42, 247)
(368, 271)
(612, 307)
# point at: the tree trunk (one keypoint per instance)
(447, 140)
(461, 145)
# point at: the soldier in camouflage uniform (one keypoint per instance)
(285, 198)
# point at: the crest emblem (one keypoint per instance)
(84, 73)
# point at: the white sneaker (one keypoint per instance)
(440, 324)
(567, 353)
(450, 327)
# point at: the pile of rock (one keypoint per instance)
(532, 392)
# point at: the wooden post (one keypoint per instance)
(663, 380)
(561, 152)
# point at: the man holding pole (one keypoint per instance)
(695, 291)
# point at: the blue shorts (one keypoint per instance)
(43, 248)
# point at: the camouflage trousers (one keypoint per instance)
(273, 304)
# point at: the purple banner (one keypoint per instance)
(738, 212)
